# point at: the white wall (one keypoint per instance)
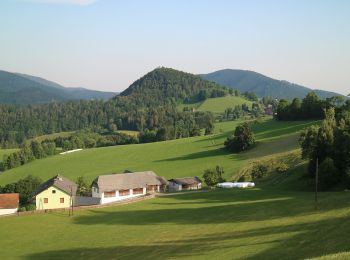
(7, 211)
(117, 197)
(174, 186)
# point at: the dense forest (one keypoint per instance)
(311, 107)
(148, 106)
(164, 85)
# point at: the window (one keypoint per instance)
(109, 194)
(46, 200)
(124, 192)
(53, 191)
(137, 191)
(61, 200)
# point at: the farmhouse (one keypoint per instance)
(186, 183)
(121, 186)
(57, 192)
(9, 203)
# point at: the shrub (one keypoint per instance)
(22, 209)
(213, 176)
(30, 207)
(282, 168)
(242, 178)
(258, 171)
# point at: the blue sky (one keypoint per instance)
(107, 44)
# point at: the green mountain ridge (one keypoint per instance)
(261, 85)
(25, 89)
(165, 85)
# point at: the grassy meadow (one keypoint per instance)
(275, 220)
(175, 158)
(217, 105)
(258, 223)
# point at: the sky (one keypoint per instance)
(108, 44)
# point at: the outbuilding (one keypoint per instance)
(115, 187)
(186, 183)
(9, 203)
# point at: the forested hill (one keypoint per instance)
(165, 86)
(25, 89)
(261, 85)
(149, 106)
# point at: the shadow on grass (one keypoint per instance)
(219, 207)
(295, 241)
(261, 132)
(197, 155)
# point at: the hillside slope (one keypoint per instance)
(175, 158)
(261, 85)
(24, 89)
(166, 85)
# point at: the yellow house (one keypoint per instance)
(58, 192)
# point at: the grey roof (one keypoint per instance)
(59, 182)
(187, 180)
(128, 180)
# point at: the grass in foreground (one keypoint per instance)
(176, 158)
(225, 224)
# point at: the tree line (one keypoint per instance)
(311, 107)
(328, 145)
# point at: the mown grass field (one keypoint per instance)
(217, 105)
(272, 221)
(176, 158)
(260, 223)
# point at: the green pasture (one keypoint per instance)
(258, 223)
(175, 158)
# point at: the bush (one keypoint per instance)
(242, 178)
(30, 207)
(22, 209)
(258, 171)
(282, 168)
(213, 176)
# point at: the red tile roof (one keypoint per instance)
(9, 200)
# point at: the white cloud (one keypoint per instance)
(72, 2)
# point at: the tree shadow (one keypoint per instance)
(215, 208)
(275, 133)
(197, 155)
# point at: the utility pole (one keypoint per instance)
(71, 195)
(71, 202)
(316, 185)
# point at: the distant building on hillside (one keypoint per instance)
(115, 187)
(186, 183)
(9, 203)
(269, 110)
(57, 192)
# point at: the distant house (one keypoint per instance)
(115, 187)
(269, 110)
(57, 192)
(9, 203)
(187, 183)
